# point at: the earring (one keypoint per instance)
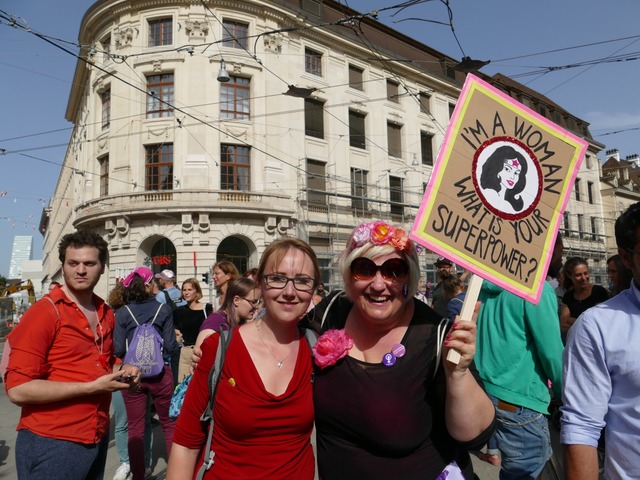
(405, 290)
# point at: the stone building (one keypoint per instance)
(620, 189)
(205, 130)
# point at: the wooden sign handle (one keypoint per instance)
(469, 304)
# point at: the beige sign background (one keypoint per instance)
(500, 184)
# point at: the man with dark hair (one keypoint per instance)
(444, 267)
(60, 371)
(601, 369)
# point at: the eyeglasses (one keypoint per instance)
(393, 270)
(254, 303)
(302, 284)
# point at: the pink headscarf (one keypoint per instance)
(143, 272)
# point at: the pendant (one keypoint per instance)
(279, 364)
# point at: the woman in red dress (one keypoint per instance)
(263, 411)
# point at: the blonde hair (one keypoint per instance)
(371, 251)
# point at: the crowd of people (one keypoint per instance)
(374, 379)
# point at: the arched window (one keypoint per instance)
(163, 256)
(234, 250)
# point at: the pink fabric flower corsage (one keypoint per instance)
(381, 233)
(360, 236)
(399, 239)
(331, 347)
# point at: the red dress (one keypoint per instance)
(257, 434)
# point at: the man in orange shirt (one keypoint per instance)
(61, 371)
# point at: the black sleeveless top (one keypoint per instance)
(379, 422)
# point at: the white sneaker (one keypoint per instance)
(148, 472)
(122, 472)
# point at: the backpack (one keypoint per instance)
(214, 376)
(145, 351)
(177, 398)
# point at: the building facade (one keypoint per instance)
(316, 130)
(620, 189)
(204, 131)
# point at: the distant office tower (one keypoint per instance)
(22, 250)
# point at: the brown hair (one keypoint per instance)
(452, 284)
(240, 287)
(229, 268)
(279, 248)
(196, 286)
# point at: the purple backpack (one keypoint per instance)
(145, 350)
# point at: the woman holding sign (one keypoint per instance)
(386, 405)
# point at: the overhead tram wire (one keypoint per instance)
(342, 22)
(592, 44)
(173, 107)
(123, 59)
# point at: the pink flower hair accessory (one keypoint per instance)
(380, 233)
(331, 346)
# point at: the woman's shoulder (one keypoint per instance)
(424, 314)
(600, 292)
(567, 298)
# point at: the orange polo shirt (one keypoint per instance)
(63, 349)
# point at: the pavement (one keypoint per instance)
(9, 414)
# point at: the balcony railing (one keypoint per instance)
(177, 201)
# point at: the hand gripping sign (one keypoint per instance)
(499, 187)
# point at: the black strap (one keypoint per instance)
(167, 298)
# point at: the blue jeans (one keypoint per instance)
(121, 430)
(523, 440)
(43, 458)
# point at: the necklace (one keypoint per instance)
(280, 362)
(98, 338)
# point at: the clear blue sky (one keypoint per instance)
(35, 77)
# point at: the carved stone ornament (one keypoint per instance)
(124, 36)
(195, 28)
(273, 43)
(270, 225)
(204, 224)
(157, 66)
(283, 226)
(237, 132)
(187, 223)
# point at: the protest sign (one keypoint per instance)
(498, 189)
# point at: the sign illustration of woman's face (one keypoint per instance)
(510, 173)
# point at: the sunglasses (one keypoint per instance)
(393, 270)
